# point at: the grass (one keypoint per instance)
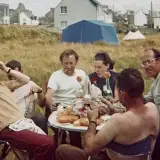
(39, 50)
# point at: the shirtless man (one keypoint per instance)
(139, 122)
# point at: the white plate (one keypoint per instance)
(70, 127)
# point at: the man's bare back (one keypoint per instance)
(136, 125)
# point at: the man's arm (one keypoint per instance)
(112, 108)
(40, 99)
(38, 93)
(51, 88)
(20, 78)
(149, 97)
(95, 142)
(48, 98)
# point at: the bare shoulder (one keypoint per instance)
(153, 114)
(150, 104)
(118, 118)
(151, 107)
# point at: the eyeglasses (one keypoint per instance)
(148, 62)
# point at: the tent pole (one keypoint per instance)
(81, 35)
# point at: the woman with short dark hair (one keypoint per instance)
(104, 77)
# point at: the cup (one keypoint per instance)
(87, 99)
(60, 109)
(79, 104)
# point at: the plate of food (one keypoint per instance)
(67, 120)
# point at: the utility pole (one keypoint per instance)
(113, 14)
(151, 14)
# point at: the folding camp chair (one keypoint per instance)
(6, 148)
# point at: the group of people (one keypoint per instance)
(133, 134)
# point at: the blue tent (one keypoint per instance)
(88, 31)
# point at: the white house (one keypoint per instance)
(156, 21)
(68, 12)
(140, 18)
(4, 13)
(5, 20)
(156, 18)
(108, 17)
(27, 18)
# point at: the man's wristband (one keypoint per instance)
(40, 91)
(94, 122)
(9, 70)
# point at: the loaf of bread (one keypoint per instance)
(63, 119)
(77, 122)
(73, 118)
(67, 118)
(85, 122)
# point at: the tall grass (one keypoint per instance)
(39, 51)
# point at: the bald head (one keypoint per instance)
(154, 53)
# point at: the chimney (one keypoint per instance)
(52, 9)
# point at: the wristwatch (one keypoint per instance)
(94, 122)
(9, 70)
(40, 91)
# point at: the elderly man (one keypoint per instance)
(151, 64)
(63, 85)
(27, 96)
(20, 132)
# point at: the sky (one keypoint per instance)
(41, 7)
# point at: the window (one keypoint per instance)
(63, 24)
(63, 9)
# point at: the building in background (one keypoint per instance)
(68, 12)
(48, 19)
(4, 13)
(140, 18)
(22, 16)
(27, 18)
(130, 17)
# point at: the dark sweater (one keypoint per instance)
(100, 82)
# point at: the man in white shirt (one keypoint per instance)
(27, 96)
(63, 84)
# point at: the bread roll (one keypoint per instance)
(73, 118)
(63, 119)
(77, 122)
(84, 122)
(64, 113)
(69, 110)
(67, 118)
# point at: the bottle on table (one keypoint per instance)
(107, 92)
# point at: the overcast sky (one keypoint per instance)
(40, 7)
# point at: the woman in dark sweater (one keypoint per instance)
(104, 77)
